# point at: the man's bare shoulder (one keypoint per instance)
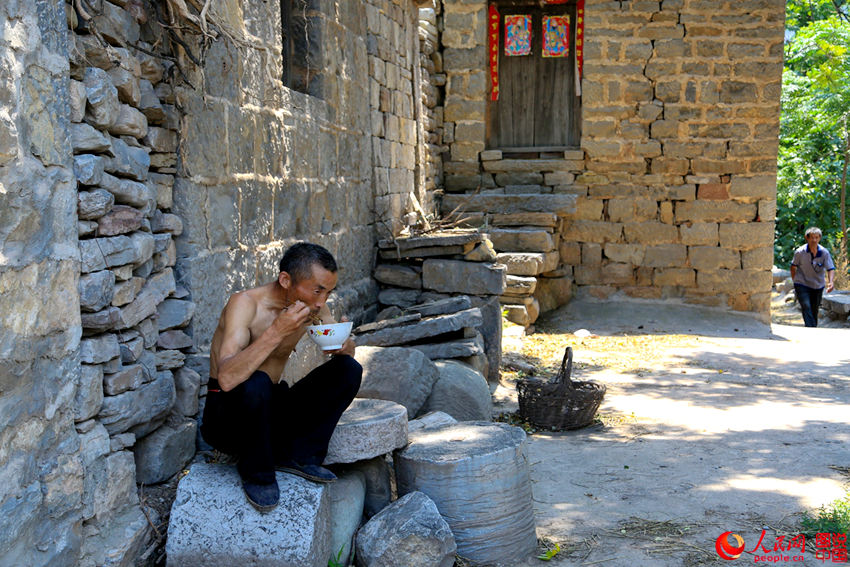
(247, 302)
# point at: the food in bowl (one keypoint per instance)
(330, 336)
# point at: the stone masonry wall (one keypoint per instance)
(41, 469)
(262, 166)
(433, 85)
(396, 112)
(134, 203)
(675, 181)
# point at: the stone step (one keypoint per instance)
(522, 314)
(529, 263)
(525, 219)
(560, 204)
(522, 240)
(532, 165)
(520, 285)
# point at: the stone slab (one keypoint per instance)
(386, 323)
(441, 306)
(368, 428)
(429, 327)
(452, 349)
(837, 302)
(560, 204)
(348, 496)
(402, 276)
(455, 238)
(457, 276)
(213, 525)
(426, 251)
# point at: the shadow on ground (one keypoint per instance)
(740, 431)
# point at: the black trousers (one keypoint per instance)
(264, 424)
(809, 300)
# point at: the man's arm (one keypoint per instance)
(238, 357)
(829, 280)
(793, 271)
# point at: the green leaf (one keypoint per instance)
(550, 554)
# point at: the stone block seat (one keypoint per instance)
(212, 524)
(837, 305)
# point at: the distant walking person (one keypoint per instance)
(812, 269)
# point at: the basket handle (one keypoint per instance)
(566, 369)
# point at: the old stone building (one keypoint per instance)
(147, 171)
(669, 153)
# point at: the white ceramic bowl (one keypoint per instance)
(330, 336)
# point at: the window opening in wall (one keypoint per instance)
(537, 108)
(301, 41)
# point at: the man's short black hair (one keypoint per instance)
(299, 259)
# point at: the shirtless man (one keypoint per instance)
(251, 412)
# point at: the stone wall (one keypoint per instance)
(262, 166)
(433, 85)
(675, 178)
(396, 112)
(135, 196)
(41, 469)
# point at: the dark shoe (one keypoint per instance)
(310, 472)
(263, 497)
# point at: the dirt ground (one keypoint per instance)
(723, 424)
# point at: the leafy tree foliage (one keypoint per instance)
(814, 147)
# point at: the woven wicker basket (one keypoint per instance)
(561, 403)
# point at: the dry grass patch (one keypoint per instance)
(619, 353)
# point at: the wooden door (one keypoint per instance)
(537, 106)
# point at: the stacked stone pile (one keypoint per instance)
(524, 218)
(211, 523)
(134, 392)
(415, 271)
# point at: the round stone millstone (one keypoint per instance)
(477, 475)
(368, 428)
